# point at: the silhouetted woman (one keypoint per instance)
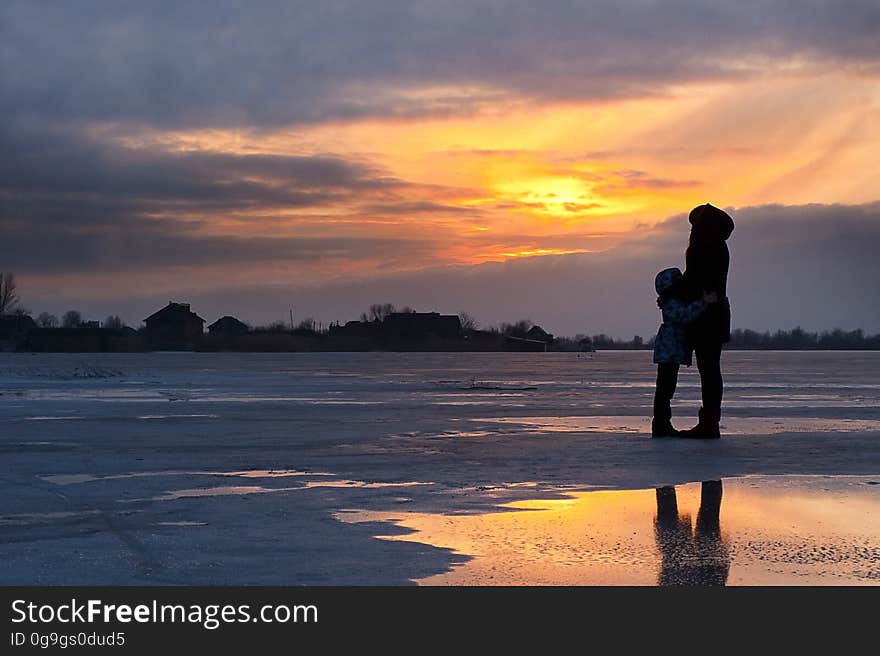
(707, 262)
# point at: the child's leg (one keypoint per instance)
(667, 379)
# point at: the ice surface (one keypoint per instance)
(139, 468)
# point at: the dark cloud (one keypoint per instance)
(643, 180)
(69, 204)
(416, 207)
(121, 243)
(68, 162)
(177, 63)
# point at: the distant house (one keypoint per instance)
(586, 345)
(228, 326)
(539, 334)
(90, 325)
(415, 325)
(175, 327)
(14, 329)
(401, 326)
(512, 343)
(357, 329)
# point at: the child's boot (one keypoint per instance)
(662, 428)
(661, 424)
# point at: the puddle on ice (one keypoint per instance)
(362, 484)
(238, 490)
(268, 473)
(193, 416)
(310, 400)
(493, 401)
(73, 479)
(456, 434)
(642, 425)
(24, 519)
(231, 490)
(220, 491)
(790, 530)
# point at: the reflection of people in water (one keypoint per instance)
(691, 557)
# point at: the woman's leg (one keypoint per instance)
(712, 385)
(711, 381)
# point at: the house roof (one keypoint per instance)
(422, 318)
(228, 322)
(175, 312)
(15, 323)
(536, 332)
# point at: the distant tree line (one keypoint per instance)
(794, 339)
(798, 339)
(742, 338)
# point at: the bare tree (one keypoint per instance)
(46, 320)
(114, 322)
(8, 296)
(71, 319)
(307, 324)
(378, 312)
(517, 329)
(274, 327)
(468, 322)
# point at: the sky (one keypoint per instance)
(507, 159)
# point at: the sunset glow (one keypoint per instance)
(345, 146)
(521, 179)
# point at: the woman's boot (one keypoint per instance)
(708, 427)
(661, 424)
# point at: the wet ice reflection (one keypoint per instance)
(753, 530)
(73, 479)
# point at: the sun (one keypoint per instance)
(561, 197)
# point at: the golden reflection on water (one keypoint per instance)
(752, 530)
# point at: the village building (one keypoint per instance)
(416, 325)
(539, 334)
(403, 326)
(357, 329)
(228, 326)
(512, 343)
(173, 328)
(14, 330)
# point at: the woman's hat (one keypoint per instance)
(709, 222)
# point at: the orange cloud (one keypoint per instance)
(479, 182)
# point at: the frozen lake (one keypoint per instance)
(296, 468)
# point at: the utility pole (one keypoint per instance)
(291, 318)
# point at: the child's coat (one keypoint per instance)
(671, 345)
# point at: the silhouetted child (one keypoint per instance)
(671, 348)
